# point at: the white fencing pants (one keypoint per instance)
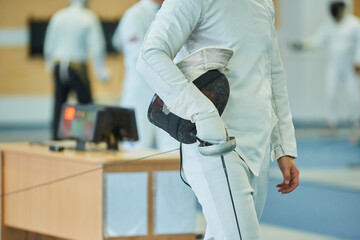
(335, 78)
(207, 179)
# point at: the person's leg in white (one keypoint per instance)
(353, 94)
(331, 89)
(207, 179)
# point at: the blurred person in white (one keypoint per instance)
(72, 35)
(137, 94)
(341, 37)
(128, 39)
(355, 138)
(257, 111)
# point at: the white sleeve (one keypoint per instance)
(97, 48)
(283, 134)
(319, 38)
(116, 38)
(174, 23)
(49, 44)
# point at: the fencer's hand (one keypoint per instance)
(296, 45)
(290, 174)
(210, 127)
(105, 76)
(357, 69)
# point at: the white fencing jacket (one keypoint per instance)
(73, 34)
(258, 108)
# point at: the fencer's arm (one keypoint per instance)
(301, 45)
(97, 48)
(318, 39)
(49, 45)
(283, 134)
(116, 39)
(173, 24)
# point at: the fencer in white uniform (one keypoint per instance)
(74, 33)
(136, 93)
(341, 37)
(257, 111)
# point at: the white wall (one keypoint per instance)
(25, 110)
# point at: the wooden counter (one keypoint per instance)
(71, 205)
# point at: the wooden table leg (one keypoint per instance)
(150, 205)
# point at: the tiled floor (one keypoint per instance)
(326, 205)
(273, 232)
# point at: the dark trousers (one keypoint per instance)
(73, 78)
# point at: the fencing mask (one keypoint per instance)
(212, 83)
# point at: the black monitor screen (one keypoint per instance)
(37, 36)
(37, 28)
(95, 123)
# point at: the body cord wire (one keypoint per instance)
(231, 196)
(181, 166)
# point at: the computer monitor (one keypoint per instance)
(95, 123)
